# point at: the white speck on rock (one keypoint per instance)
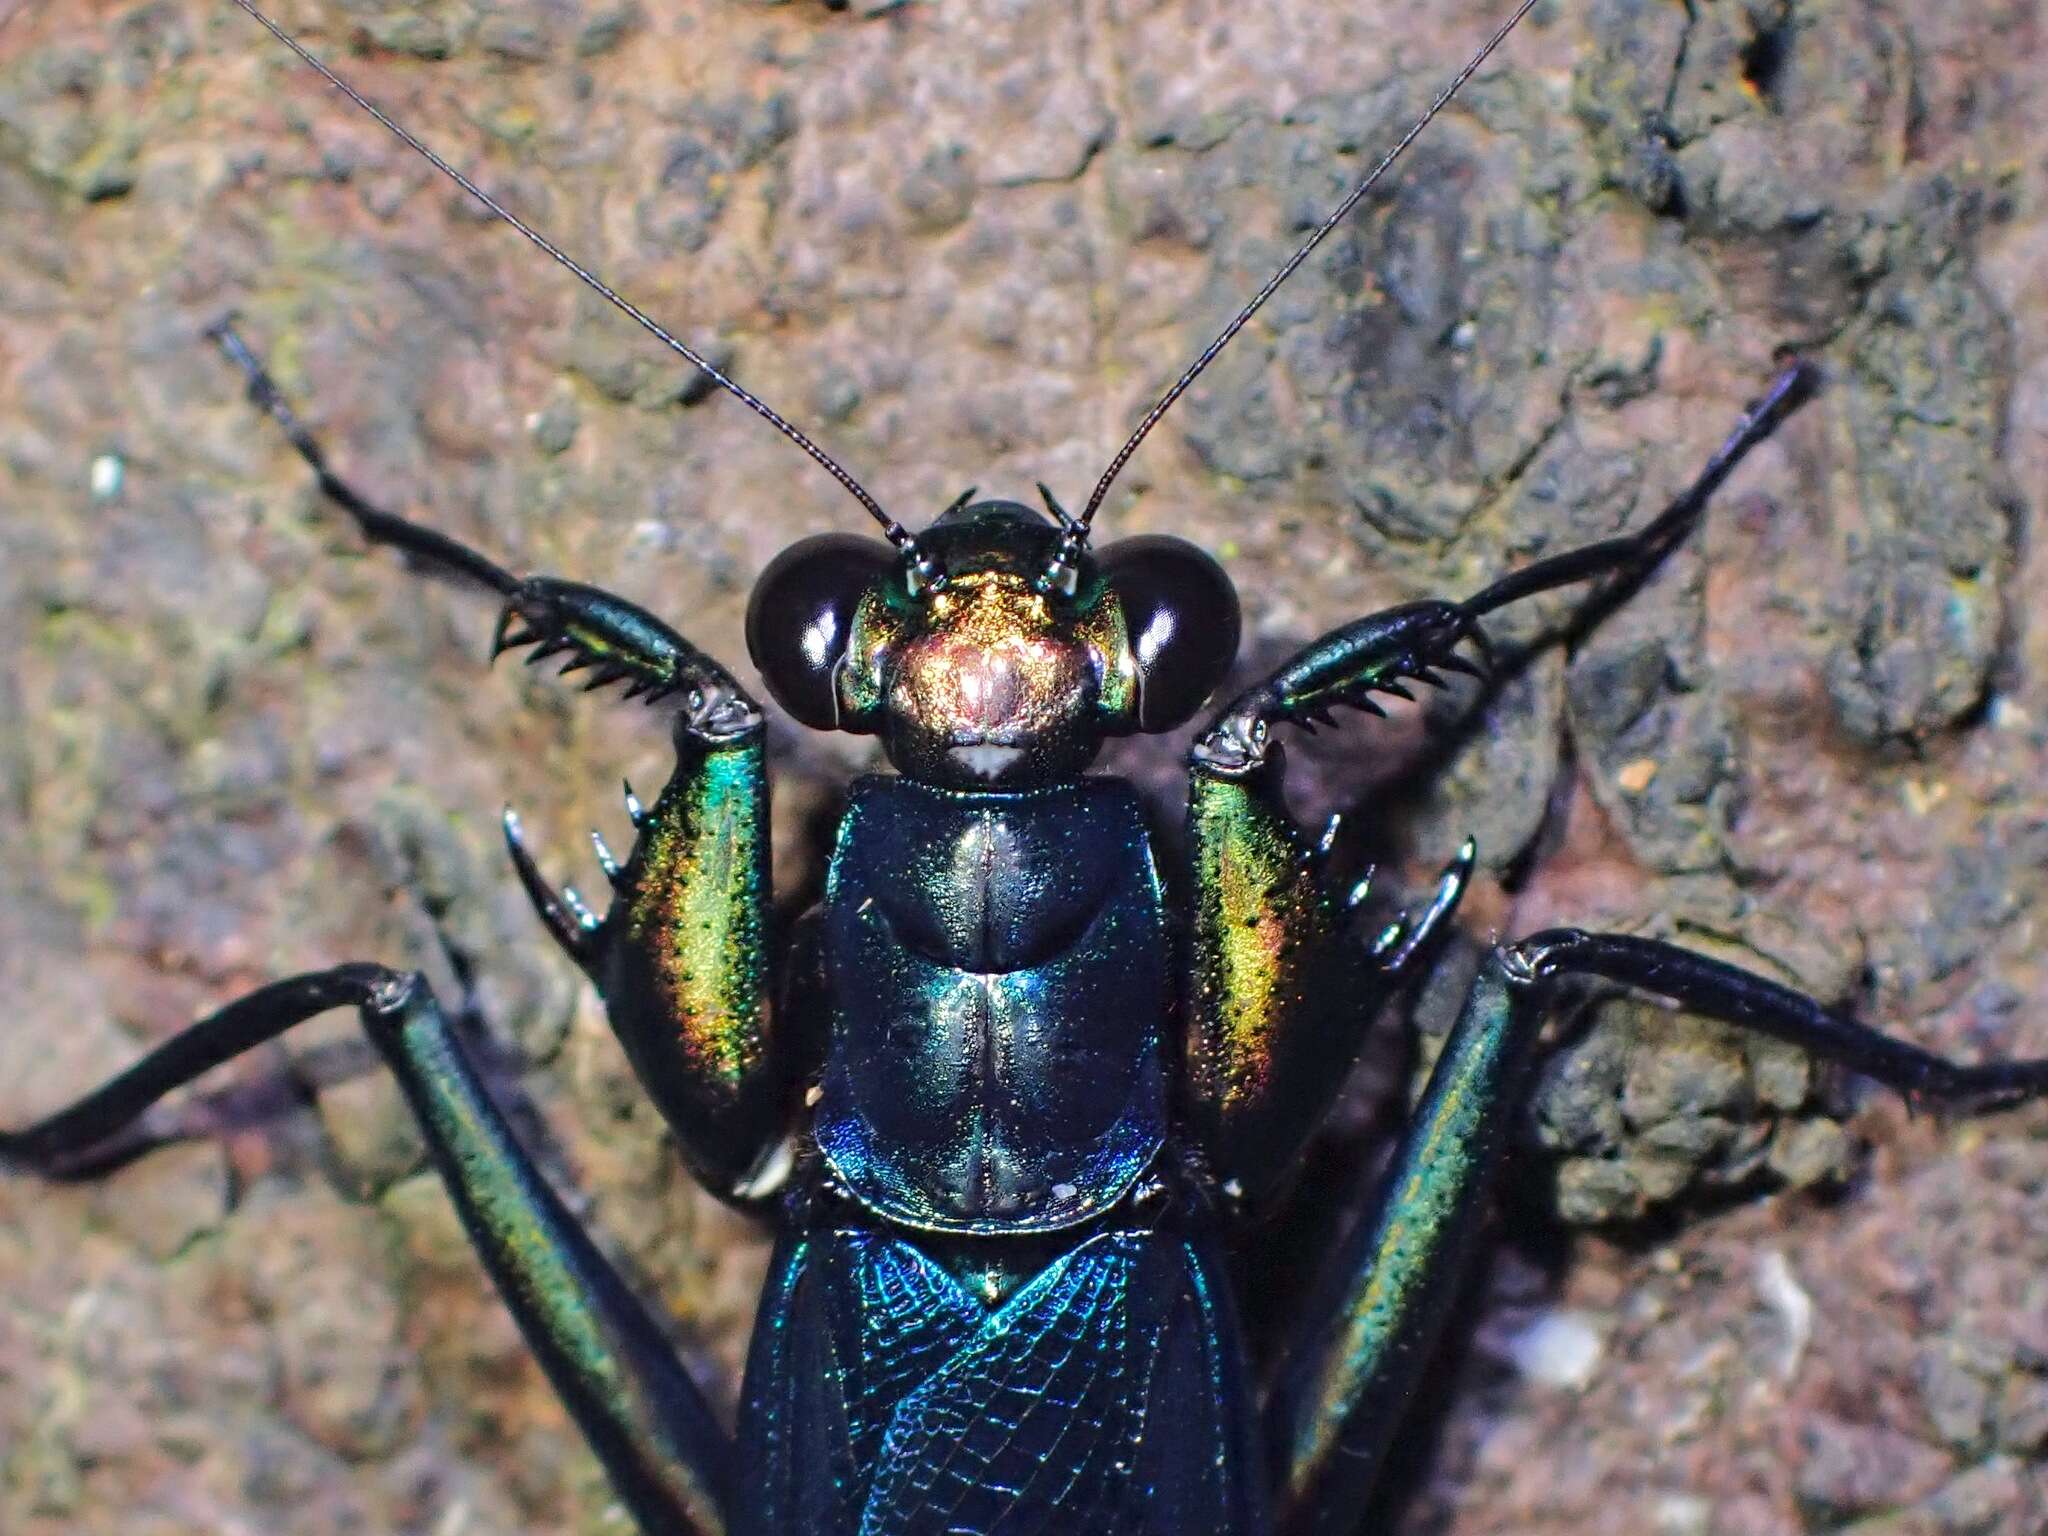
(109, 470)
(1784, 1295)
(1560, 1349)
(1684, 1514)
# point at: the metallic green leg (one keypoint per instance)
(620, 1380)
(1335, 1410)
(1281, 988)
(682, 956)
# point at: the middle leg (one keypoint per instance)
(650, 1426)
(1375, 1324)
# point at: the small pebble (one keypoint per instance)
(109, 473)
(1784, 1295)
(1560, 1349)
(553, 426)
(1684, 1514)
(2008, 716)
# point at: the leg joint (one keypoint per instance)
(1542, 956)
(387, 993)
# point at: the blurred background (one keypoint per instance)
(966, 242)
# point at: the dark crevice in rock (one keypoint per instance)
(1764, 59)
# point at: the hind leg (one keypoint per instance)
(643, 1416)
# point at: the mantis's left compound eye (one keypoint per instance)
(801, 616)
(1180, 612)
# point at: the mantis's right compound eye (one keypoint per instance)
(801, 616)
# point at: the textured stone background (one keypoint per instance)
(968, 239)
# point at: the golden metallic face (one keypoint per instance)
(994, 689)
(989, 676)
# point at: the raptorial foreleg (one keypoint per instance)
(681, 954)
(1283, 988)
(1278, 996)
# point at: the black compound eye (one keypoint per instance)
(801, 615)
(1180, 611)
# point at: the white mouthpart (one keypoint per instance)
(986, 760)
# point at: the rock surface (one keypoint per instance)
(968, 242)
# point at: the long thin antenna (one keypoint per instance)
(897, 533)
(1273, 283)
